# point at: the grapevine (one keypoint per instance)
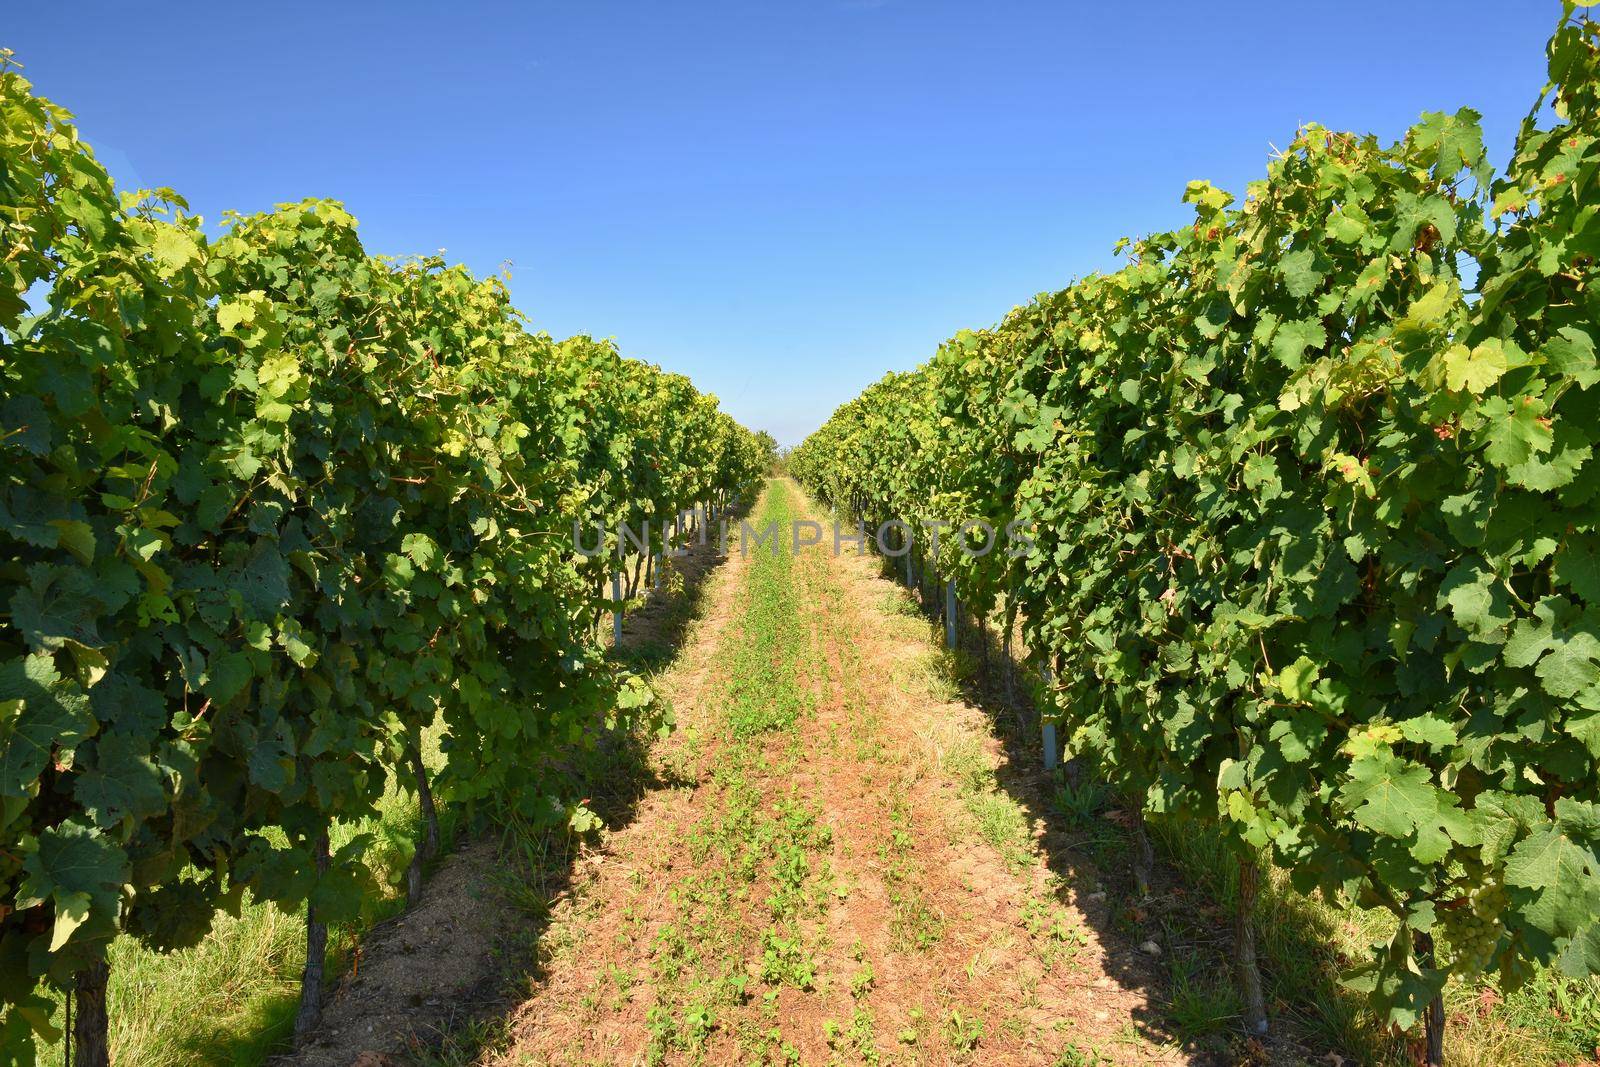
(1315, 519)
(269, 507)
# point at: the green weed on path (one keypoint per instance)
(741, 933)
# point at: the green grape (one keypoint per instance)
(1473, 932)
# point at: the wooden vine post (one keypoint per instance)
(310, 1009)
(1244, 947)
(950, 614)
(616, 609)
(90, 1037)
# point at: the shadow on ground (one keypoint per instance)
(436, 983)
(1091, 840)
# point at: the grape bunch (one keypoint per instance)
(1473, 932)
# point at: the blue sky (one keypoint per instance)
(782, 200)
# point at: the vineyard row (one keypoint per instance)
(1317, 511)
(270, 508)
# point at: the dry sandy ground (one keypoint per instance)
(1013, 964)
(423, 972)
(446, 962)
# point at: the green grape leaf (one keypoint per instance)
(1561, 873)
(1514, 431)
(82, 873)
(1389, 796)
(57, 608)
(421, 550)
(54, 712)
(1577, 565)
(1571, 354)
(1291, 340)
(119, 781)
(1429, 730)
(1571, 665)
(1475, 598)
(1300, 276)
(227, 675)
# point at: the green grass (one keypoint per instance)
(998, 817)
(764, 687)
(1303, 943)
(914, 925)
(231, 999)
(1550, 1020)
(760, 876)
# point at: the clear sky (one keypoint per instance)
(782, 200)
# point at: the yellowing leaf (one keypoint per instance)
(230, 313)
(1373, 739)
(1432, 306)
(173, 249)
(1473, 370)
(72, 909)
(278, 374)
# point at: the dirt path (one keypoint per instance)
(833, 874)
(432, 979)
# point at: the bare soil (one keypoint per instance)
(1009, 967)
(455, 957)
(422, 973)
